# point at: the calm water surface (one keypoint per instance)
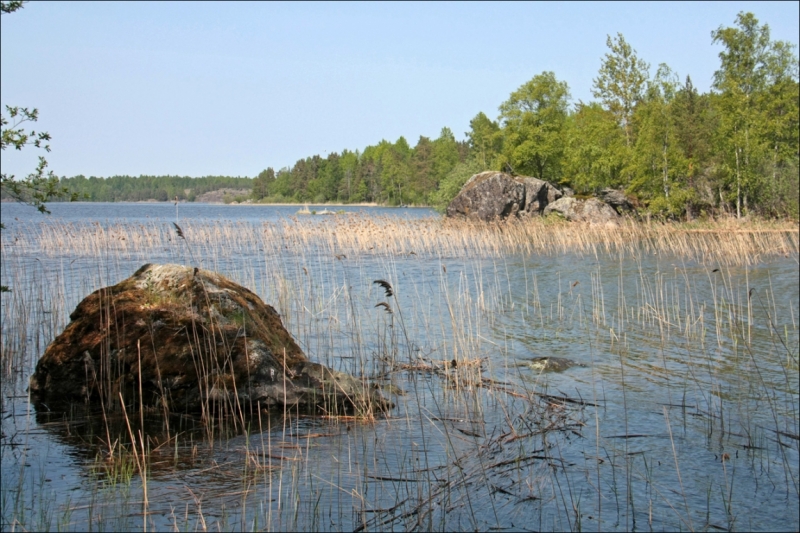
(141, 212)
(682, 413)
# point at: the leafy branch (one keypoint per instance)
(41, 185)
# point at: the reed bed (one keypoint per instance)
(725, 243)
(685, 408)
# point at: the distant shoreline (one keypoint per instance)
(299, 205)
(237, 204)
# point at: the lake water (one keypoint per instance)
(140, 212)
(681, 414)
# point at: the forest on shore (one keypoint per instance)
(159, 188)
(676, 152)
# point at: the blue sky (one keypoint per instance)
(232, 88)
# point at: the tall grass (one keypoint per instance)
(686, 408)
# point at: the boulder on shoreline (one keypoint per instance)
(495, 195)
(616, 199)
(192, 341)
(591, 211)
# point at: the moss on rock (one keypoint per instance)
(197, 339)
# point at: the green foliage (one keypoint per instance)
(261, 183)
(10, 7)
(395, 170)
(533, 127)
(454, 181)
(41, 185)
(445, 154)
(659, 164)
(348, 188)
(387, 173)
(594, 149)
(757, 88)
(485, 139)
(424, 177)
(694, 120)
(136, 189)
(621, 82)
(671, 207)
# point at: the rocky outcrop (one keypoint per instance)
(591, 211)
(496, 195)
(616, 199)
(190, 340)
(538, 194)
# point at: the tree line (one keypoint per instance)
(387, 173)
(141, 188)
(677, 152)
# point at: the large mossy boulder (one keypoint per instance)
(496, 195)
(192, 341)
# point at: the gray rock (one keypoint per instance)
(198, 340)
(591, 211)
(496, 195)
(552, 364)
(616, 199)
(538, 194)
(488, 196)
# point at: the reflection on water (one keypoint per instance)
(681, 410)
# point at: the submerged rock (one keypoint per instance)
(553, 364)
(495, 195)
(191, 340)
